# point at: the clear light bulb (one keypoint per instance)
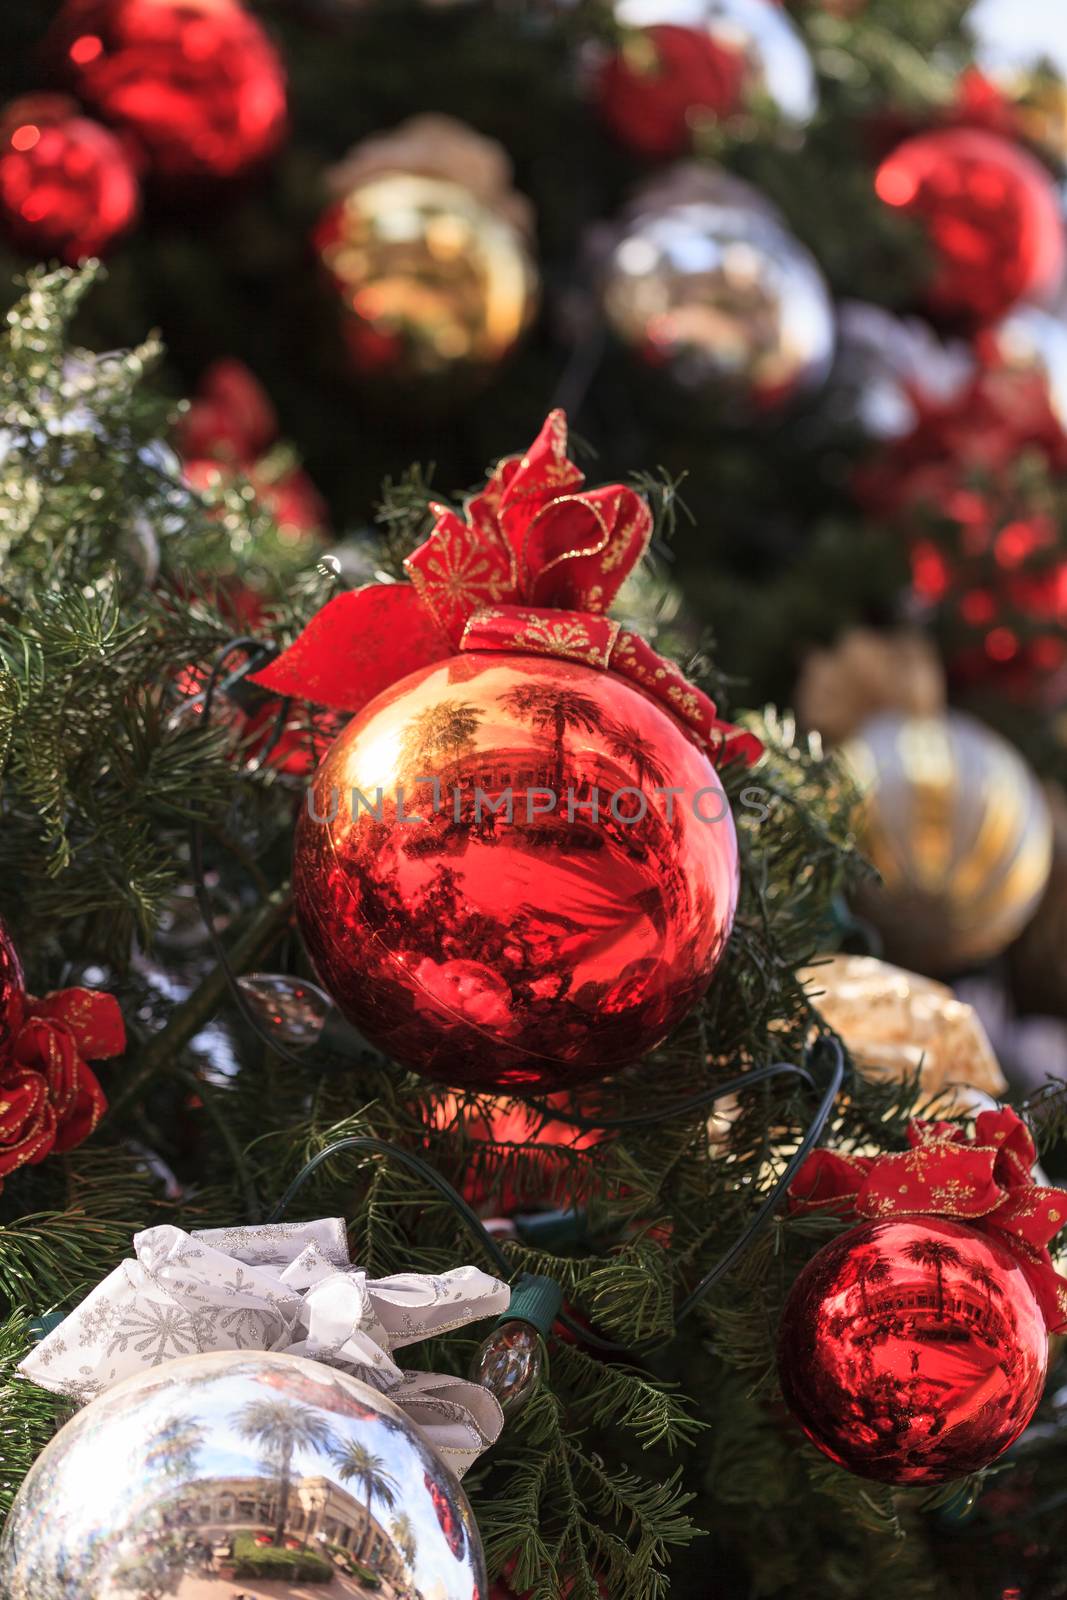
(510, 1362)
(292, 1009)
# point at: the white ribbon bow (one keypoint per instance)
(288, 1287)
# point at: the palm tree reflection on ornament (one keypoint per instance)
(934, 1254)
(355, 1462)
(870, 1269)
(557, 709)
(282, 1428)
(175, 1446)
(639, 753)
(403, 1530)
(987, 1282)
(446, 729)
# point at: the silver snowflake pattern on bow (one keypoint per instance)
(157, 1332)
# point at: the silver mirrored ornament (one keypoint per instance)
(704, 283)
(240, 1472)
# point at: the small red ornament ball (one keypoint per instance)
(991, 215)
(662, 80)
(912, 1351)
(67, 185)
(197, 83)
(530, 946)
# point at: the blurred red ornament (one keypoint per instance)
(292, 742)
(929, 572)
(230, 416)
(912, 1350)
(536, 1174)
(993, 572)
(230, 428)
(296, 746)
(289, 495)
(196, 82)
(991, 215)
(662, 81)
(980, 103)
(533, 948)
(67, 185)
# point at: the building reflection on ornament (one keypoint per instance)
(318, 1509)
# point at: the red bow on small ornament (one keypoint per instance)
(532, 566)
(985, 1181)
(49, 1096)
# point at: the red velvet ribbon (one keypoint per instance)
(985, 1181)
(50, 1098)
(533, 566)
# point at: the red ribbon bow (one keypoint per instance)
(985, 1181)
(50, 1098)
(532, 566)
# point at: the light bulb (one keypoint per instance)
(292, 1009)
(510, 1362)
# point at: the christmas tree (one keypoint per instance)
(406, 818)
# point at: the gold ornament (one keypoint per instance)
(960, 832)
(864, 673)
(428, 247)
(896, 1023)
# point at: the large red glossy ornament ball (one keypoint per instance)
(12, 991)
(991, 215)
(196, 82)
(912, 1351)
(67, 185)
(533, 953)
